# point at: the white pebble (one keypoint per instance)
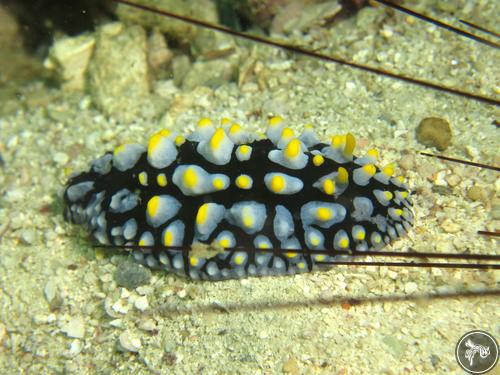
(121, 306)
(61, 158)
(128, 342)
(141, 303)
(411, 287)
(75, 328)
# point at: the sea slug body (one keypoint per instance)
(235, 190)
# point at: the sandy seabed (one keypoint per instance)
(62, 312)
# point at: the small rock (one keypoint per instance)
(75, 328)
(291, 366)
(28, 236)
(450, 227)
(61, 158)
(209, 44)
(310, 16)
(117, 323)
(121, 306)
(141, 303)
(118, 71)
(411, 287)
(495, 209)
(128, 342)
(130, 275)
(147, 325)
(434, 132)
(70, 57)
(75, 348)
(3, 333)
(211, 73)
(407, 162)
(181, 65)
(453, 180)
(182, 32)
(477, 193)
(52, 295)
(396, 346)
(158, 53)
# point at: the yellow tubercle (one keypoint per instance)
(179, 140)
(287, 133)
(275, 120)
(218, 184)
(216, 139)
(361, 235)
(324, 214)
(344, 243)
(329, 186)
(161, 179)
(143, 178)
(337, 141)
(193, 261)
(301, 265)
(224, 242)
(318, 160)
(292, 149)
(342, 175)
(225, 121)
(142, 243)
(388, 170)
(350, 144)
(168, 238)
(404, 194)
(388, 195)
(314, 241)
(118, 149)
(152, 207)
(245, 149)
(204, 122)
(373, 153)
(234, 129)
(190, 178)
(239, 259)
(243, 181)
(398, 211)
(201, 216)
(154, 141)
(277, 183)
(247, 219)
(369, 169)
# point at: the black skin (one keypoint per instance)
(256, 167)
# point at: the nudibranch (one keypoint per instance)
(235, 190)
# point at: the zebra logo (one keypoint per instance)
(477, 352)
